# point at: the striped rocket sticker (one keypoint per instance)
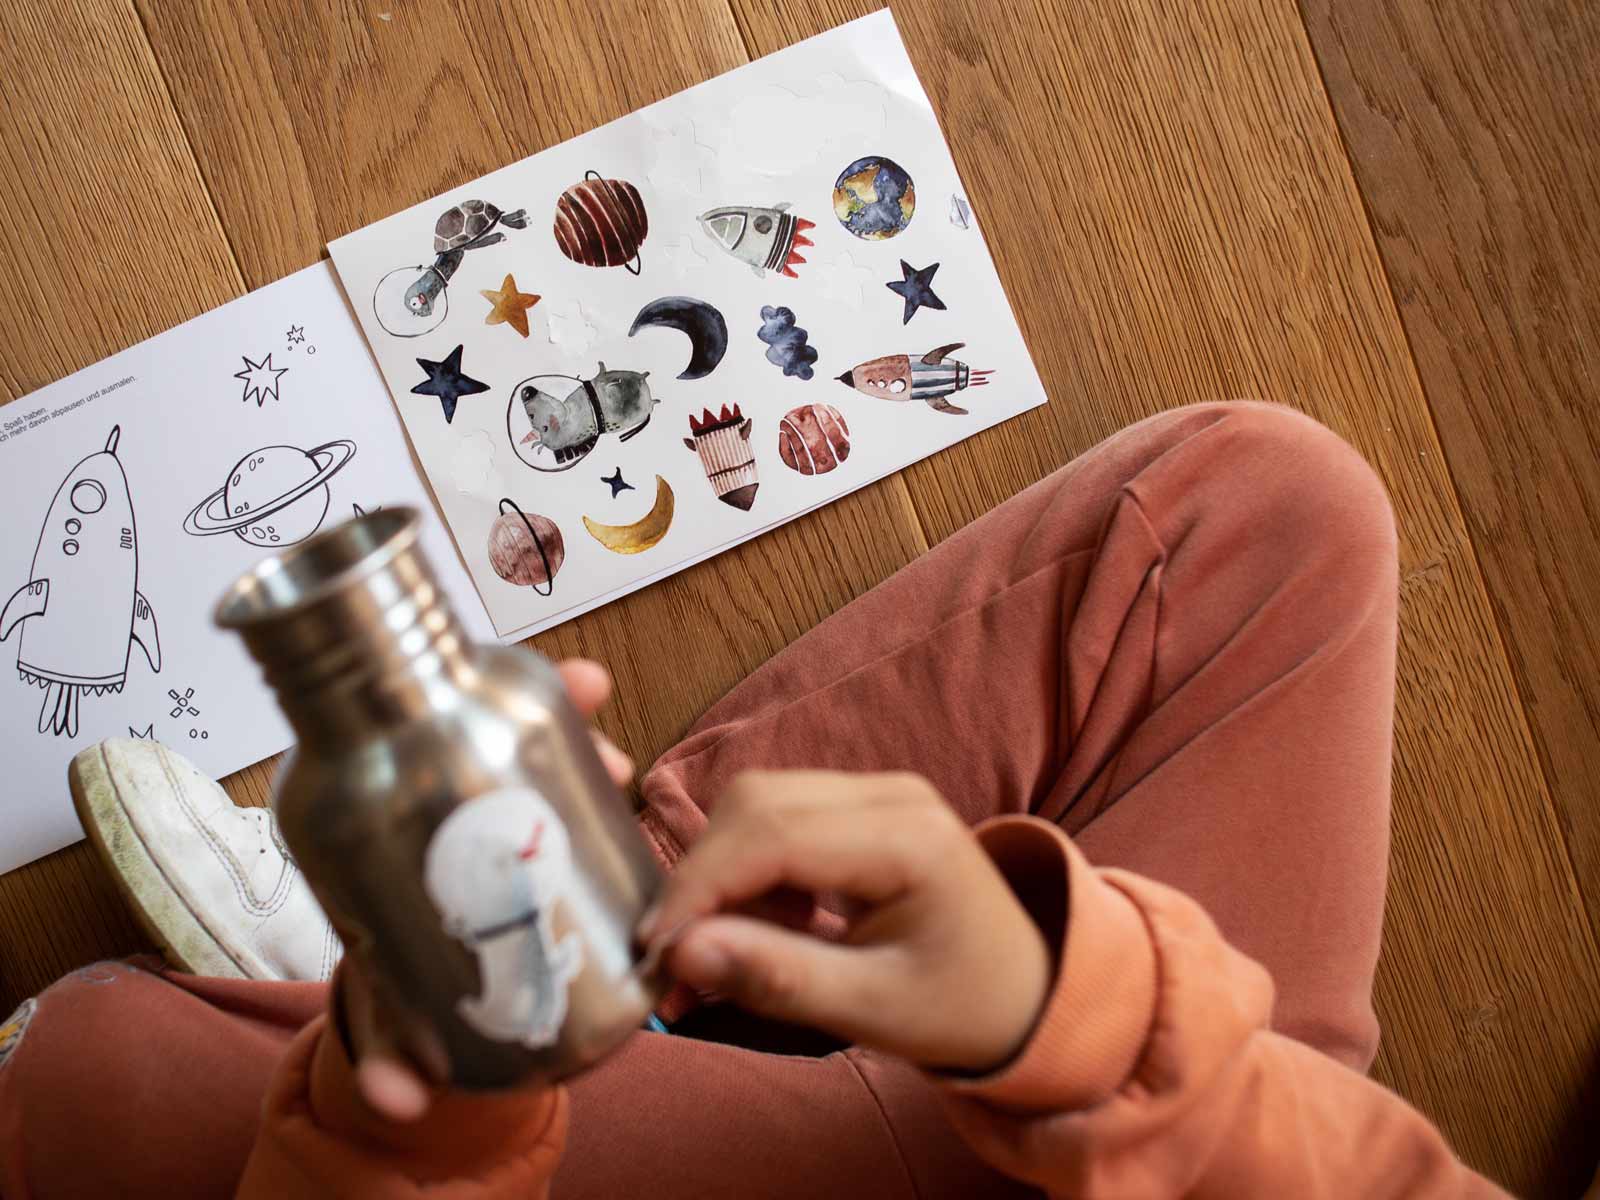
(933, 378)
(722, 443)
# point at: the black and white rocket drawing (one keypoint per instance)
(81, 612)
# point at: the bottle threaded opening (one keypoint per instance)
(344, 623)
(285, 585)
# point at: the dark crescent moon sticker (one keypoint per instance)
(704, 326)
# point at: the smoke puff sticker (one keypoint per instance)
(495, 869)
(786, 342)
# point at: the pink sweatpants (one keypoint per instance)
(1180, 647)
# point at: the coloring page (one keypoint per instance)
(640, 347)
(138, 490)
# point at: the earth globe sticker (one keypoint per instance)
(874, 198)
(274, 496)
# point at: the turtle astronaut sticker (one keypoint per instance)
(495, 869)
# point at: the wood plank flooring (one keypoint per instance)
(1355, 209)
(1474, 137)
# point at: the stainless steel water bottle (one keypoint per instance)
(448, 807)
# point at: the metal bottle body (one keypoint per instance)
(408, 732)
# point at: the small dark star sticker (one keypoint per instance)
(618, 484)
(297, 333)
(446, 381)
(917, 288)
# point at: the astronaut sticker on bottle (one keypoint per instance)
(495, 869)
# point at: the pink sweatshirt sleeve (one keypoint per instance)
(319, 1138)
(1152, 1071)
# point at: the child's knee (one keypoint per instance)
(1304, 495)
(92, 1007)
(1327, 484)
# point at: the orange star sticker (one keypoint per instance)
(510, 306)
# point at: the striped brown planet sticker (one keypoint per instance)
(813, 439)
(601, 223)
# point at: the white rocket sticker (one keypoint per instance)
(495, 869)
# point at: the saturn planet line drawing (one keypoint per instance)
(274, 496)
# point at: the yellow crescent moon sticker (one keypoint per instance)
(643, 533)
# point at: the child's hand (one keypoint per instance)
(388, 1081)
(941, 965)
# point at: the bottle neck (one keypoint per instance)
(353, 631)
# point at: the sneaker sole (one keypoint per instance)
(175, 927)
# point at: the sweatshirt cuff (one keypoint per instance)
(462, 1134)
(1102, 1001)
(318, 1135)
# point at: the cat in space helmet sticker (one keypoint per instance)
(495, 869)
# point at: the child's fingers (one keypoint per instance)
(387, 1082)
(390, 1087)
(869, 852)
(588, 683)
(589, 686)
(617, 764)
(785, 906)
(786, 975)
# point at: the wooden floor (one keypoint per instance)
(1365, 208)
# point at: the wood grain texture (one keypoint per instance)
(106, 230)
(1169, 204)
(1477, 143)
(1475, 137)
(108, 236)
(404, 134)
(1168, 200)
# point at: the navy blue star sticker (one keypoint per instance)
(917, 288)
(618, 484)
(446, 381)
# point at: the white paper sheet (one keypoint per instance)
(272, 397)
(781, 131)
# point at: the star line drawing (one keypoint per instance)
(916, 288)
(618, 484)
(260, 379)
(510, 307)
(297, 334)
(447, 381)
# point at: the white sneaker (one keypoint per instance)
(213, 883)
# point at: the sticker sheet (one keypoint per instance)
(630, 351)
(137, 490)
